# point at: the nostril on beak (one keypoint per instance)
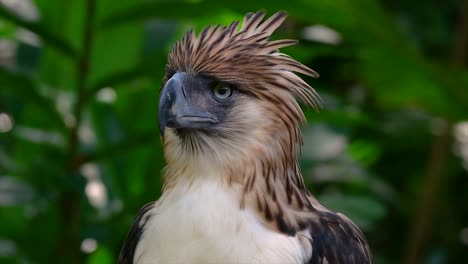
(183, 91)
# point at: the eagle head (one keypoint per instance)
(229, 94)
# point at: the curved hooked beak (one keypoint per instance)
(178, 106)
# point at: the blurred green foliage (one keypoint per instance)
(80, 150)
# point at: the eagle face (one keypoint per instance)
(204, 117)
(195, 102)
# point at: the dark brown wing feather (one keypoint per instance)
(337, 240)
(128, 249)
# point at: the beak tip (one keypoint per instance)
(161, 119)
(161, 130)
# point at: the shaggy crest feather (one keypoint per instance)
(245, 57)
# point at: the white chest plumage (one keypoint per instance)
(204, 224)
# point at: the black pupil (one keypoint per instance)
(223, 90)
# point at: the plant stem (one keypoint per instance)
(69, 243)
(423, 221)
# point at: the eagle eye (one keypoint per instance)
(222, 91)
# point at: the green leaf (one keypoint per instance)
(28, 89)
(455, 81)
(335, 13)
(7, 29)
(364, 151)
(41, 31)
(399, 80)
(102, 255)
(116, 50)
(119, 77)
(364, 210)
(340, 117)
(108, 152)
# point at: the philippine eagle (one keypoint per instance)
(230, 127)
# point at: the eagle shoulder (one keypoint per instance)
(128, 249)
(336, 239)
